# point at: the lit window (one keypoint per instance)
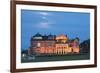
(38, 44)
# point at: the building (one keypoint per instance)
(42, 44)
(53, 45)
(61, 38)
(74, 44)
(62, 46)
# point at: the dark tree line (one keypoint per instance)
(85, 46)
(24, 52)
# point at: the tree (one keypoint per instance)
(85, 46)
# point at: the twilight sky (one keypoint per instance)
(72, 24)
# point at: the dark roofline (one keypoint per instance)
(43, 40)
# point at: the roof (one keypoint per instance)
(37, 35)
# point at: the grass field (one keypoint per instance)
(56, 58)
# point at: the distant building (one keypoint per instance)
(51, 44)
(74, 44)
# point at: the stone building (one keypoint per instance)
(53, 45)
(41, 43)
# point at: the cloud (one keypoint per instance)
(44, 25)
(44, 13)
(43, 17)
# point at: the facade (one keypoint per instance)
(42, 44)
(53, 45)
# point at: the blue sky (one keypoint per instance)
(72, 24)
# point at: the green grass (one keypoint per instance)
(57, 58)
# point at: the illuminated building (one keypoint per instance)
(53, 45)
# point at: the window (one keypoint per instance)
(38, 44)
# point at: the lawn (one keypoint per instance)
(56, 58)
